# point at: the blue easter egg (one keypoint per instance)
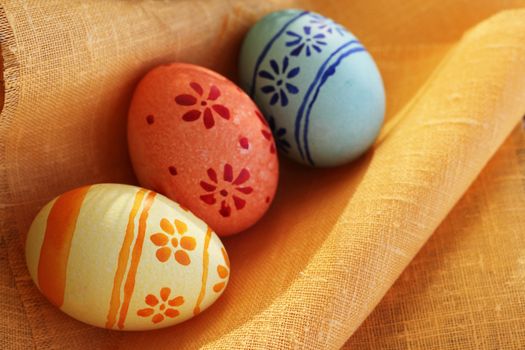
(316, 84)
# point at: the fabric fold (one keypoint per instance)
(414, 178)
(335, 240)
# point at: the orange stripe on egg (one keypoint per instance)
(205, 262)
(54, 254)
(123, 257)
(135, 258)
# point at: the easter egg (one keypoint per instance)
(316, 84)
(125, 258)
(196, 137)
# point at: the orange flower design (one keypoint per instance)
(158, 308)
(223, 272)
(167, 242)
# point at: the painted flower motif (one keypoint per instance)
(279, 85)
(223, 272)
(158, 309)
(226, 189)
(168, 242)
(326, 25)
(280, 136)
(307, 41)
(267, 134)
(261, 118)
(205, 107)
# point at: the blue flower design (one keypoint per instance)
(326, 25)
(279, 135)
(279, 85)
(308, 41)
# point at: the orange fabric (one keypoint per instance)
(335, 240)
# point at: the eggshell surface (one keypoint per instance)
(199, 139)
(316, 84)
(125, 258)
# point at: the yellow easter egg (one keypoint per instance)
(126, 258)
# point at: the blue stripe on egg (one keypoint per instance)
(319, 77)
(324, 108)
(328, 73)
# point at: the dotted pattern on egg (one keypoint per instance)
(125, 258)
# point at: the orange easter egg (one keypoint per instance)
(196, 137)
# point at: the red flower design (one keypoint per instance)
(225, 188)
(266, 131)
(208, 107)
(261, 118)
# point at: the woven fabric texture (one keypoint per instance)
(340, 259)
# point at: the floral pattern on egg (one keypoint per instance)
(173, 240)
(208, 106)
(317, 83)
(204, 147)
(279, 85)
(157, 308)
(138, 259)
(226, 190)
